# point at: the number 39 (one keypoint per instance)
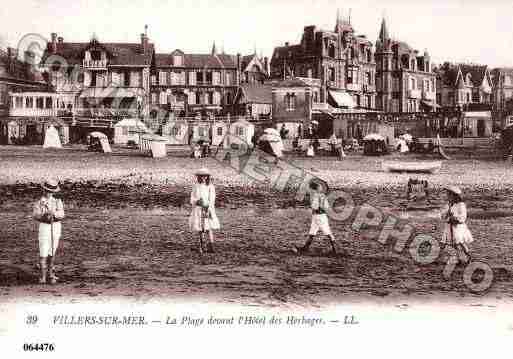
(31, 319)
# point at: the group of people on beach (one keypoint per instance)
(48, 211)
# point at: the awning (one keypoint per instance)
(116, 92)
(342, 99)
(429, 103)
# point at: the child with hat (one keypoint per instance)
(203, 216)
(49, 212)
(456, 232)
(319, 205)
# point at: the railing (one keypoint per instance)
(94, 64)
(105, 112)
(33, 112)
(353, 87)
(428, 95)
(414, 93)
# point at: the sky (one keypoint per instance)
(451, 30)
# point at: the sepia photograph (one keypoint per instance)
(259, 179)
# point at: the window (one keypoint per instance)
(201, 131)
(163, 98)
(192, 78)
(368, 78)
(153, 98)
(199, 77)
(352, 75)
(48, 103)
(219, 131)
(19, 102)
(315, 97)
(216, 78)
(332, 74)
(40, 102)
(29, 102)
(369, 55)
(412, 65)
(208, 78)
(127, 79)
(125, 130)
(228, 98)
(412, 84)
(240, 131)
(191, 98)
(198, 98)
(309, 73)
(228, 78)
(177, 60)
(433, 85)
(162, 78)
(175, 131)
(468, 97)
(210, 98)
(290, 101)
(331, 50)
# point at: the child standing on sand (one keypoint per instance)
(49, 212)
(456, 233)
(203, 216)
(319, 205)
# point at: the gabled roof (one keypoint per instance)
(295, 82)
(120, 53)
(20, 71)
(288, 51)
(198, 60)
(477, 73)
(257, 93)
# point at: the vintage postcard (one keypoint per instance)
(256, 178)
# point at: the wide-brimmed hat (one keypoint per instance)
(202, 172)
(51, 185)
(454, 189)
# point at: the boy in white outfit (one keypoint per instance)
(49, 212)
(319, 205)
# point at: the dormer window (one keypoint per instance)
(178, 60)
(96, 55)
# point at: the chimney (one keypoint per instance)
(286, 44)
(60, 39)
(144, 43)
(266, 66)
(238, 69)
(54, 43)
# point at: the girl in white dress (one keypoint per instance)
(310, 150)
(456, 232)
(203, 216)
(49, 212)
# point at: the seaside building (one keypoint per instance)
(405, 81)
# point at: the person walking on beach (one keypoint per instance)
(319, 206)
(456, 233)
(49, 212)
(203, 218)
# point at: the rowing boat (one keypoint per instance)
(422, 167)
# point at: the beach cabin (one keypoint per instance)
(129, 129)
(241, 132)
(200, 131)
(176, 131)
(219, 131)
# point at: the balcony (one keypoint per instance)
(33, 112)
(428, 95)
(95, 64)
(369, 88)
(106, 112)
(353, 87)
(414, 94)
